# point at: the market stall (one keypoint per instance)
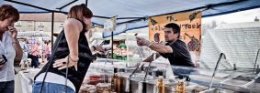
(130, 75)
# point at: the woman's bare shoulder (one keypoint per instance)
(71, 21)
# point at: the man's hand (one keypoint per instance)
(142, 42)
(63, 63)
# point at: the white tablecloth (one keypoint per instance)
(24, 80)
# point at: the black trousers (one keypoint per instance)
(7, 87)
(35, 60)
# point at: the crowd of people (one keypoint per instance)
(35, 51)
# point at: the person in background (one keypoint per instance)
(10, 49)
(98, 51)
(123, 50)
(25, 49)
(46, 51)
(70, 53)
(101, 50)
(35, 53)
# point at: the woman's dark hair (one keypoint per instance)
(80, 11)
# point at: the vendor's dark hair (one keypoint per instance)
(175, 28)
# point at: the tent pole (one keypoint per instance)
(129, 21)
(209, 6)
(52, 28)
(112, 42)
(86, 2)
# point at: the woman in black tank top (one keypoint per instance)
(71, 56)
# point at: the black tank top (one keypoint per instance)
(85, 58)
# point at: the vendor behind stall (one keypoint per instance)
(175, 50)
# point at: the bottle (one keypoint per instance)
(128, 86)
(119, 84)
(180, 87)
(160, 85)
(114, 81)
